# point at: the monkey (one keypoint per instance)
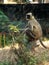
(34, 31)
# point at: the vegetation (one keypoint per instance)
(7, 29)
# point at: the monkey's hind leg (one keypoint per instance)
(34, 46)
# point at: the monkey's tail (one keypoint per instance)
(43, 44)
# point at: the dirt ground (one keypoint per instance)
(5, 53)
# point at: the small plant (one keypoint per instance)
(5, 63)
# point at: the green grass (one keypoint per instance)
(5, 63)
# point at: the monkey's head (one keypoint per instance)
(29, 16)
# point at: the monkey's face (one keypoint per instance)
(28, 17)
